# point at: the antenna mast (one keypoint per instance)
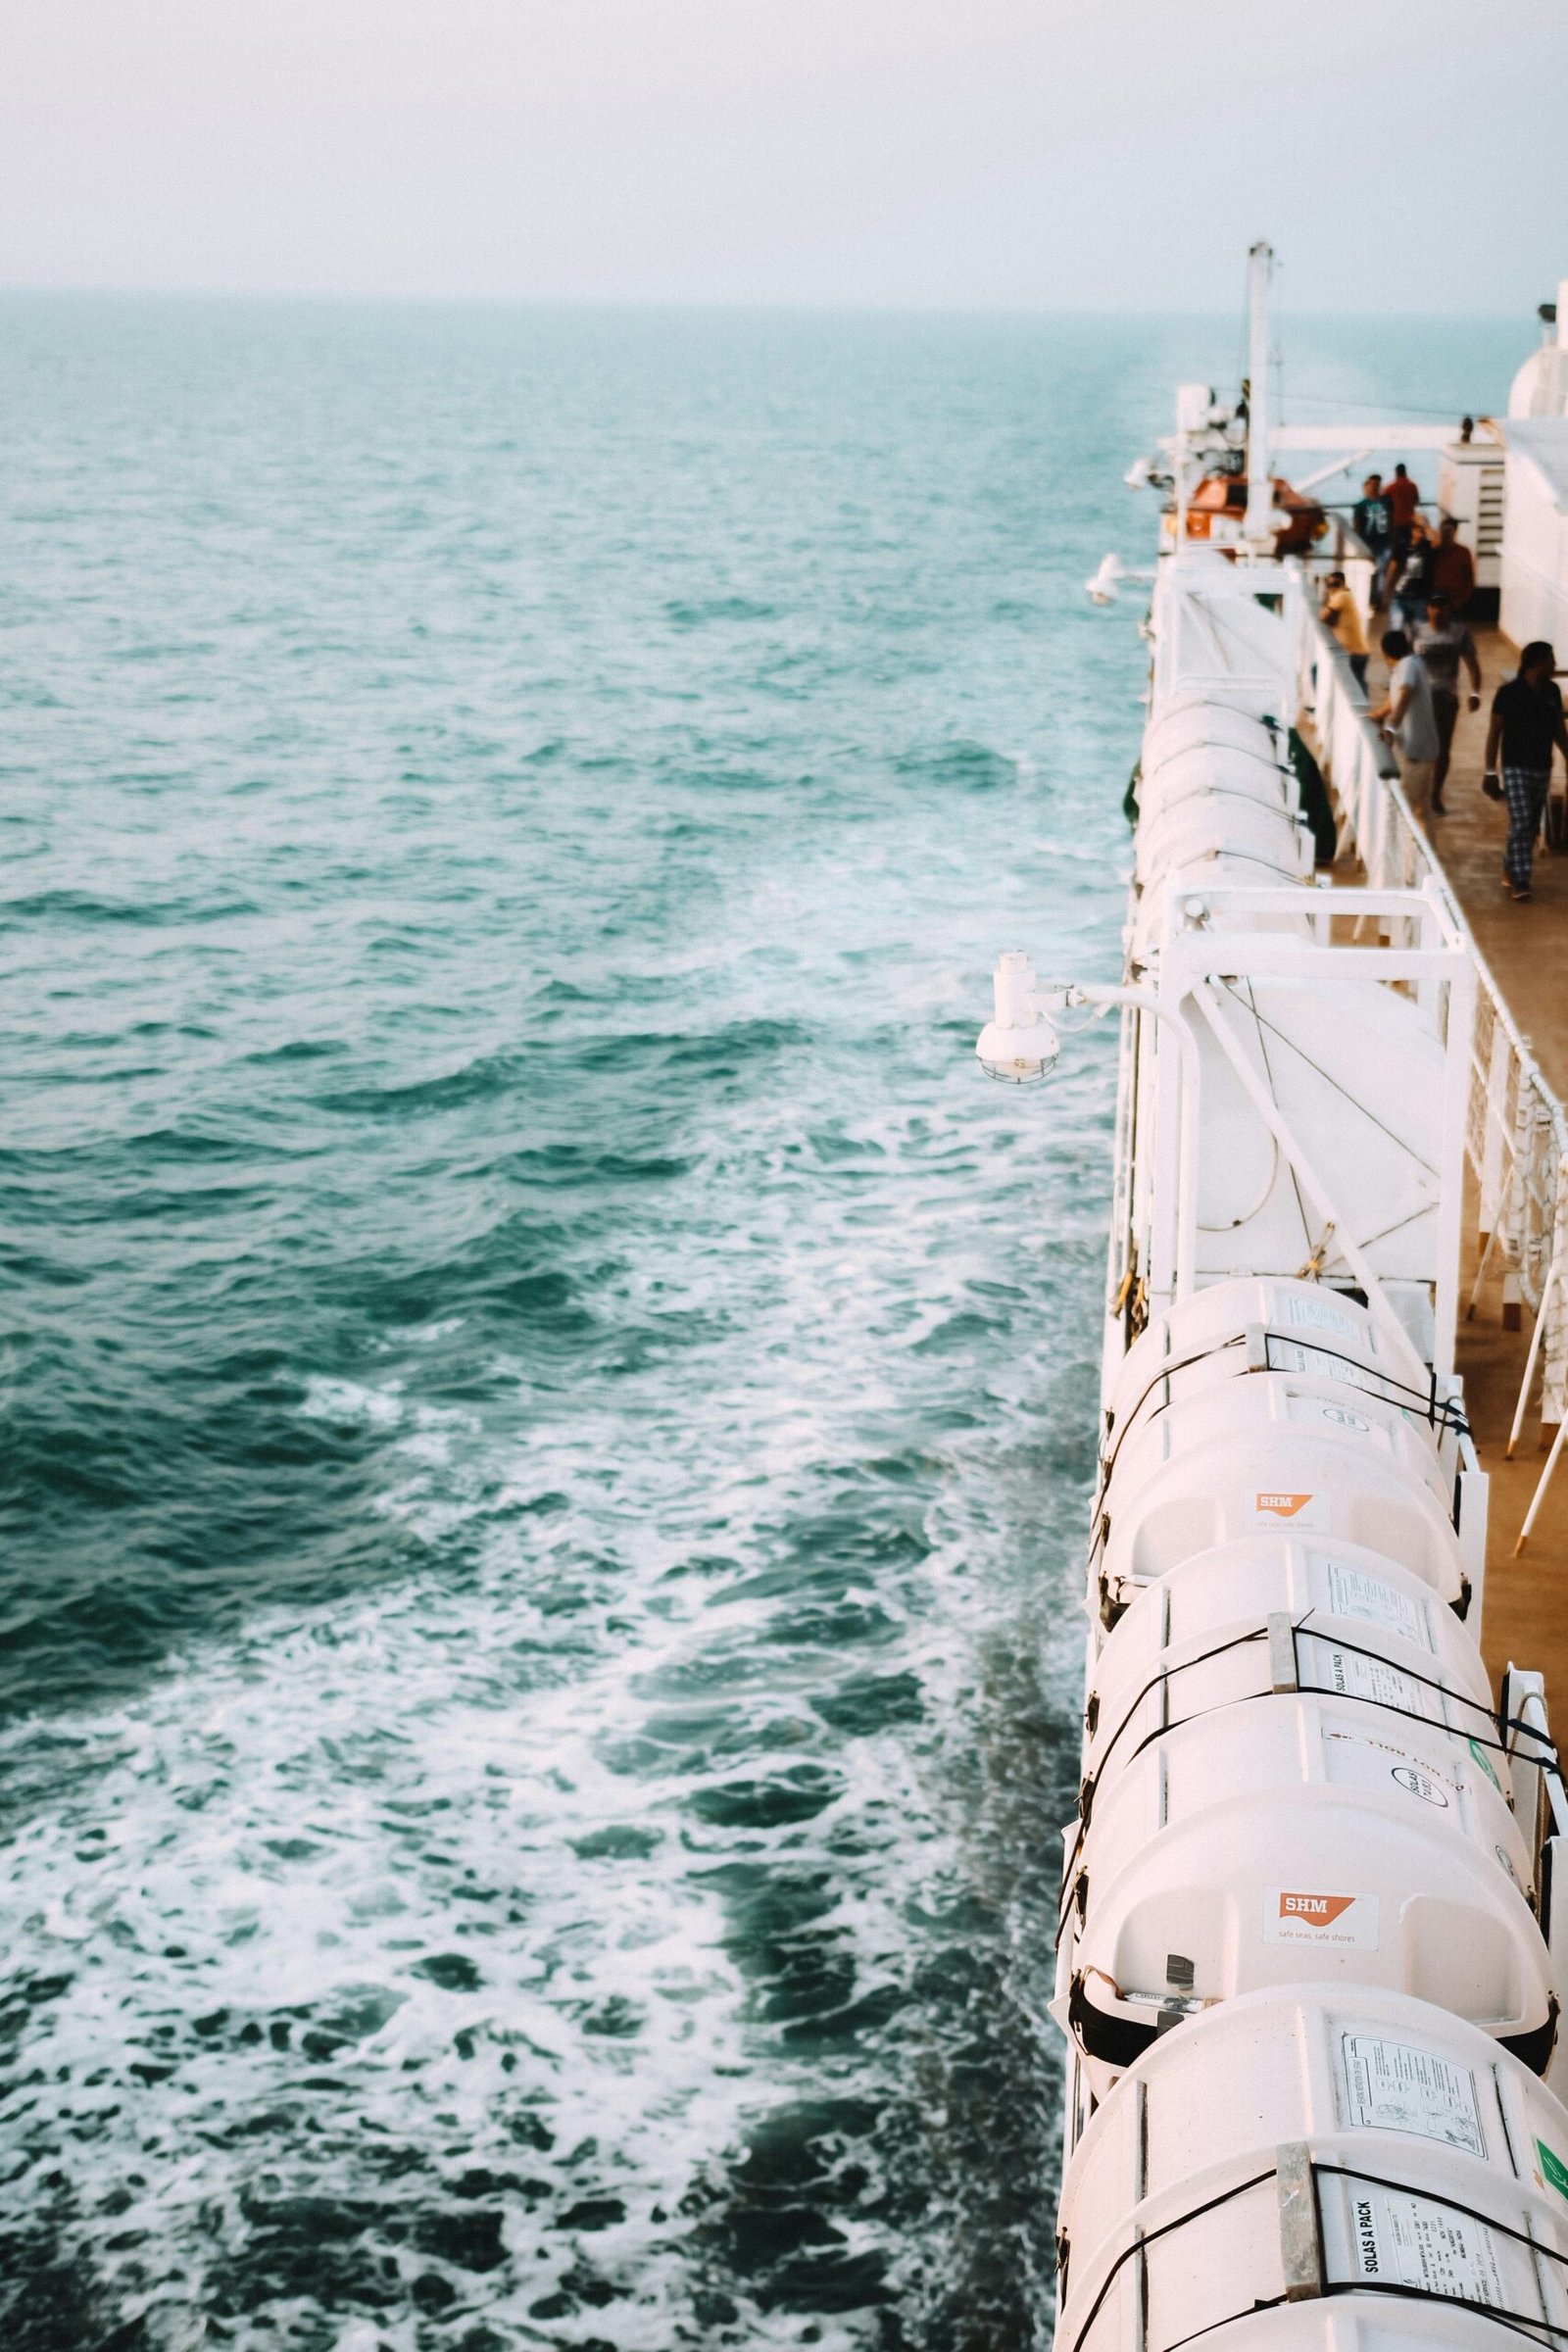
(1260, 484)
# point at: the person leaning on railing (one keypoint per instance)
(1525, 727)
(1339, 612)
(1373, 525)
(1408, 720)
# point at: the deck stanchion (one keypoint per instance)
(1496, 1146)
(1552, 1413)
(1539, 1494)
(1481, 1275)
(1536, 1336)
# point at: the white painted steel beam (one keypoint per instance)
(1312, 1184)
(1376, 433)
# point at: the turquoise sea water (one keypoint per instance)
(549, 1411)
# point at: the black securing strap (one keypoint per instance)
(1539, 2330)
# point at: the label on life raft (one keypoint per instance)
(1394, 2087)
(1316, 1314)
(1354, 1593)
(1553, 2170)
(1352, 1674)
(1296, 1355)
(1299, 1407)
(1354, 1759)
(1276, 1507)
(1403, 2240)
(1330, 1922)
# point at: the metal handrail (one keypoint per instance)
(1516, 1130)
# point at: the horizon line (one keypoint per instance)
(753, 305)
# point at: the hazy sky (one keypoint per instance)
(1107, 153)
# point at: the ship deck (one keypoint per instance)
(1525, 1615)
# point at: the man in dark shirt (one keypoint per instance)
(1527, 725)
(1373, 525)
(1453, 567)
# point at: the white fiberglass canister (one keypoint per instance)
(1297, 1837)
(1183, 726)
(1277, 1613)
(1207, 825)
(1329, 1329)
(1369, 2321)
(1341, 2323)
(1275, 1451)
(1305, 2146)
(1263, 1323)
(1247, 776)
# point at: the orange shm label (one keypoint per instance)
(1318, 1910)
(1283, 1507)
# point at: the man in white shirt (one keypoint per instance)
(1410, 722)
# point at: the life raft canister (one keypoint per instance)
(1312, 2147)
(1298, 1836)
(1279, 1451)
(1272, 1612)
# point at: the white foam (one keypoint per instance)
(305, 1819)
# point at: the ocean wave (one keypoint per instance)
(545, 1398)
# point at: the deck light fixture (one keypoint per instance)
(1021, 1046)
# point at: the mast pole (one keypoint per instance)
(1259, 485)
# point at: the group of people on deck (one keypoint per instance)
(1427, 583)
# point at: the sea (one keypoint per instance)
(548, 1407)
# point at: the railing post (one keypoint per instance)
(1514, 1216)
(1493, 1133)
(1554, 1376)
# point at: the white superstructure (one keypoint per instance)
(1310, 1962)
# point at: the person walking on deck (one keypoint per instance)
(1442, 644)
(1373, 525)
(1410, 577)
(1527, 725)
(1404, 497)
(1338, 612)
(1406, 718)
(1453, 567)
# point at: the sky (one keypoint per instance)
(1104, 154)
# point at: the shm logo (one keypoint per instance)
(1282, 1506)
(1318, 1910)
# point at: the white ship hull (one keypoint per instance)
(1309, 1963)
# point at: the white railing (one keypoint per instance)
(1517, 1131)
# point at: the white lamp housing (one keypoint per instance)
(1021, 1046)
(1101, 589)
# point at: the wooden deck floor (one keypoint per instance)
(1526, 1607)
